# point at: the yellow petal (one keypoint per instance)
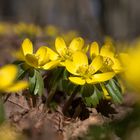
(21, 85)
(100, 77)
(105, 92)
(62, 63)
(42, 55)
(52, 55)
(51, 64)
(91, 81)
(80, 59)
(124, 58)
(7, 75)
(85, 49)
(27, 47)
(96, 63)
(19, 55)
(76, 44)
(117, 67)
(77, 80)
(31, 60)
(106, 51)
(60, 46)
(94, 50)
(71, 67)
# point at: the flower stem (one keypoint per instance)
(51, 95)
(77, 111)
(68, 103)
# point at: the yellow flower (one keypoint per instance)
(8, 132)
(63, 52)
(2, 28)
(8, 75)
(110, 61)
(38, 60)
(131, 62)
(28, 29)
(51, 31)
(5, 28)
(68, 36)
(84, 72)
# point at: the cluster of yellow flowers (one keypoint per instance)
(101, 66)
(19, 29)
(23, 29)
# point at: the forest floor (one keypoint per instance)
(45, 124)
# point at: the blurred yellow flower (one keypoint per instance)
(8, 132)
(131, 62)
(110, 60)
(51, 31)
(86, 73)
(68, 36)
(27, 29)
(38, 60)
(2, 28)
(5, 28)
(63, 52)
(8, 81)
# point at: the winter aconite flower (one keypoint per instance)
(65, 52)
(110, 61)
(8, 81)
(38, 60)
(86, 73)
(131, 63)
(51, 31)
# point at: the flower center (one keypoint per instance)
(67, 54)
(107, 61)
(85, 71)
(41, 60)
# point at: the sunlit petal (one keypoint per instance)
(21, 85)
(97, 63)
(80, 59)
(62, 63)
(91, 81)
(106, 51)
(51, 64)
(77, 80)
(71, 67)
(76, 44)
(101, 77)
(52, 55)
(31, 60)
(94, 50)
(7, 75)
(124, 58)
(117, 67)
(27, 47)
(42, 55)
(60, 46)
(18, 54)
(85, 49)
